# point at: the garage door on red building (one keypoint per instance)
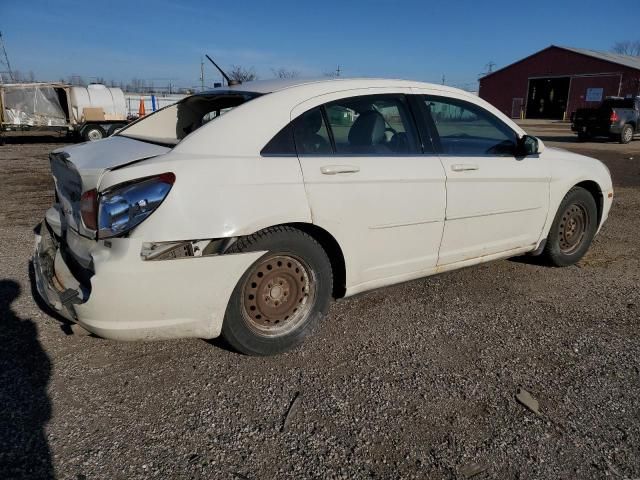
(556, 81)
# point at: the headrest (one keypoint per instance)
(368, 129)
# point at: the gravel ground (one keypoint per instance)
(414, 381)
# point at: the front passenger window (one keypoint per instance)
(467, 129)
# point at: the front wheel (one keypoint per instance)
(573, 228)
(282, 296)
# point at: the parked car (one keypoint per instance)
(244, 210)
(616, 118)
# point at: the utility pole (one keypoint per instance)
(443, 79)
(338, 71)
(202, 74)
(4, 61)
(488, 68)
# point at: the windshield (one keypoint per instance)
(171, 124)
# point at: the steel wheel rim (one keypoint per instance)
(573, 227)
(628, 134)
(94, 135)
(278, 294)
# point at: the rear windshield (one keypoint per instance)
(171, 124)
(619, 103)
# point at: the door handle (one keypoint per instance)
(463, 167)
(335, 169)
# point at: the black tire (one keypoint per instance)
(627, 134)
(254, 322)
(583, 137)
(92, 133)
(112, 129)
(570, 237)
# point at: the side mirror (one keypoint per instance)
(528, 145)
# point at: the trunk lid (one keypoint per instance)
(78, 168)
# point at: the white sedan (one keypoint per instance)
(243, 211)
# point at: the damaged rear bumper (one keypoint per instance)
(58, 296)
(128, 298)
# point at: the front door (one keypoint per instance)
(495, 201)
(369, 184)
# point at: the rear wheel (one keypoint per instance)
(282, 296)
(573, 228)
(113, 128)
(583, 136)
(93, 132)
(627, 134)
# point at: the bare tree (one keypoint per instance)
(242, 74)
(284, 73)
(31, 76)
(627, 47)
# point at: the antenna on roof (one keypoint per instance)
(226, 77)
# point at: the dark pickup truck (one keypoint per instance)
(617, 118)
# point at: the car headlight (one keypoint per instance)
(122, 207)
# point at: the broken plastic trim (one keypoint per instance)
(185, 249)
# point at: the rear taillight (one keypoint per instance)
(89, 209)
(123, 207)
(614, 117)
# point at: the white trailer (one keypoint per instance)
(91, 112)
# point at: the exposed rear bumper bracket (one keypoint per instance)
(43, 262)
(70, 297)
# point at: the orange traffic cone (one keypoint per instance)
(141, 112)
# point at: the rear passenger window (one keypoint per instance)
(281, 144)
(467, 129)
(311, 134)
(372, 125)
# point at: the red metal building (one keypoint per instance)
(556, 81)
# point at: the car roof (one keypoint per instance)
(281, 100)
(275, 85)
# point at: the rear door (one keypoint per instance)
(370, 185)
(496, 202)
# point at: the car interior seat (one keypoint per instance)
(367, 133)
(312, 141)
